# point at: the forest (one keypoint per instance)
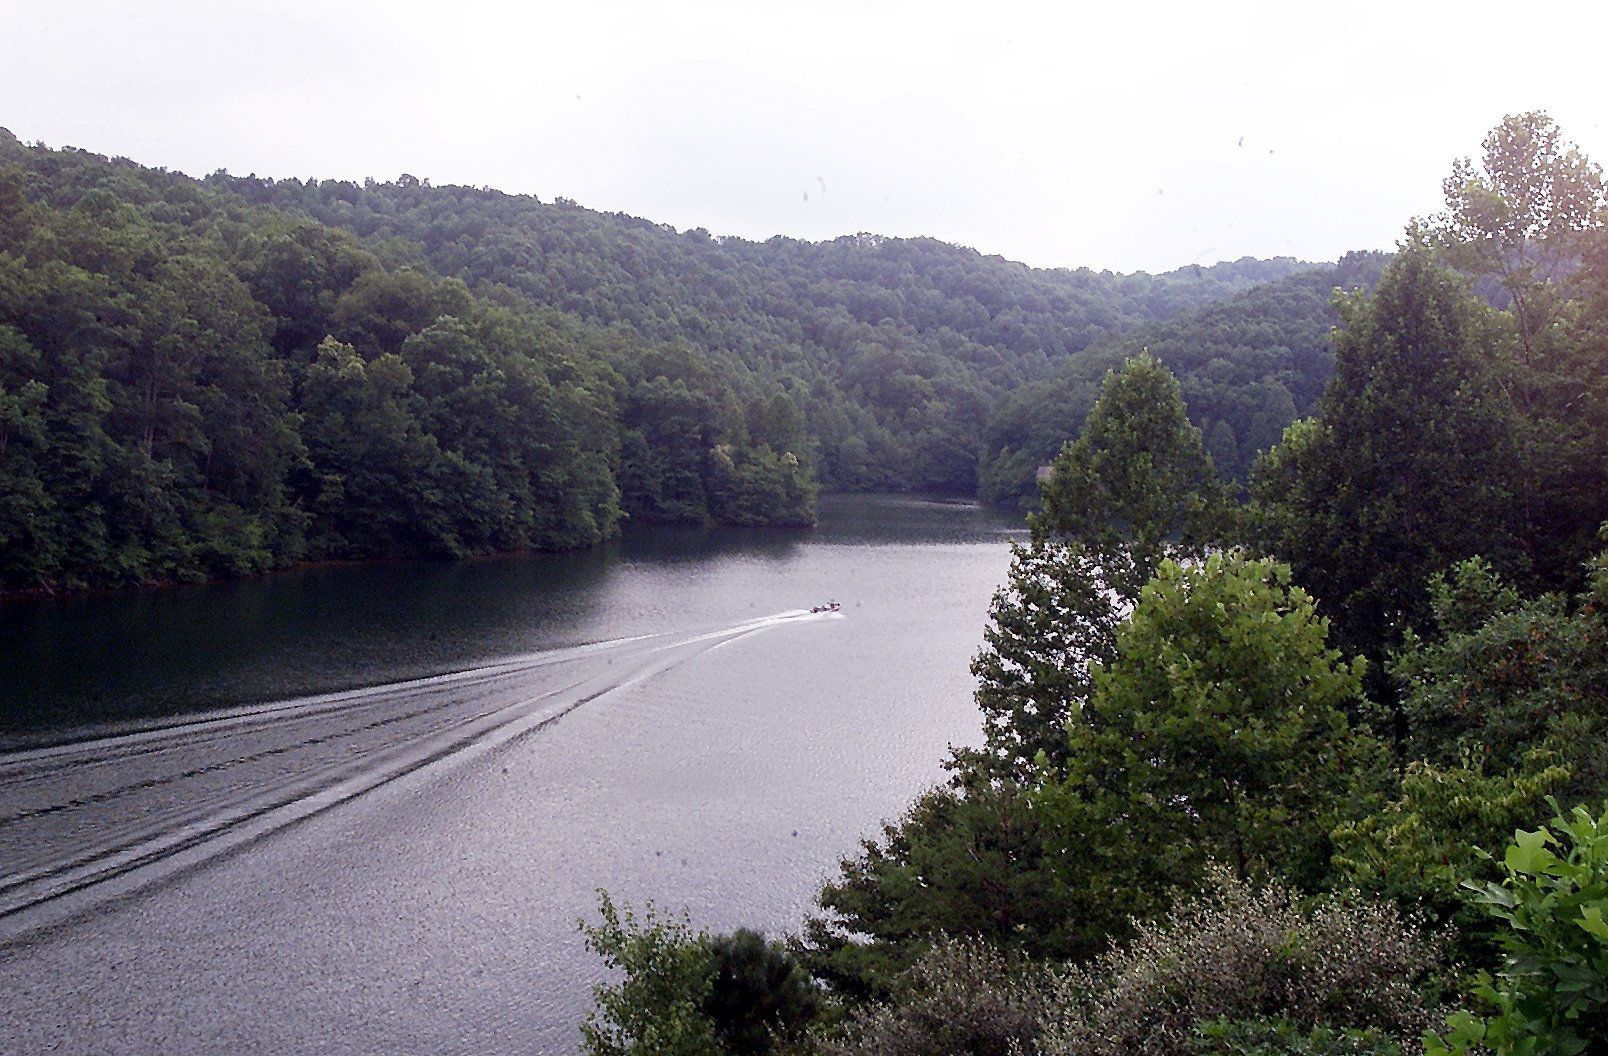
(1308, 763)
(220, 377)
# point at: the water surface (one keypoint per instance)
(436, 913)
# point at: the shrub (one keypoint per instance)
(962, 996)
(1245, 953)
(1280, 1037)
(682, 992)
(657, 1006)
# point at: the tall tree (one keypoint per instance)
(1137, 483)
(1409, 465)
(1524, 216)
(1221, 731)
(1529, 217)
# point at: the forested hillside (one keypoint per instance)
(1248, 366)
(216, 377)
(896, 350)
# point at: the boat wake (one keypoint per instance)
(93, 820)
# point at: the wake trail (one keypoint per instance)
(89, 821)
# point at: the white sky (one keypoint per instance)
(1123, 136)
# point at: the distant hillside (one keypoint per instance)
(213, 377)
(894, 349)
(1248, 367)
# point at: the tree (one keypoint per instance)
(1135, 486)
(1529, 218)
(1057, 614)
(681, 992)
(1524, 216)
(961, 862)
(1505, 706)
(759, 995)
(1408, 467)
(1137, 482)
(1221, 731)
(657, 1004)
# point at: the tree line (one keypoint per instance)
(204, 378)
(1313, 767)
(192, 386)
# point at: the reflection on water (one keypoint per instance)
(111, 658)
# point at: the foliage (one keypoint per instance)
(1221, 731)
(192, 386)
(1507, 674)
(679, 991)
(1422, 845)
(1506, 706)
(1057, 614)
(657, 1006)
(1280, 1037)
(1527, 219)
(1248, 366)
(1137, 483)
(1407, 468)
(964, 862)
(759, 994)
(961, 996)
(1550, 997)
(1240, 952)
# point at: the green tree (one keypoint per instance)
(1057, 614)
(961, 862)
(1408, 467)
(1137, 482)
(656, 1006)
(1221, 731)
(1528, 217)
(1506, 705)
(760, 997)
(1524, 215)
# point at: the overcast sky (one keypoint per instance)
(1122, 135)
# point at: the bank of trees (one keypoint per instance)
(510, 373)
(192, 387)
(1319, 772)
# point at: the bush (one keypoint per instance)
(686, 993)
(962, 996)
(1239, 952)
(657, 1006)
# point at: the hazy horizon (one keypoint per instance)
(1115, 141)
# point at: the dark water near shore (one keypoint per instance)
(122, 657)
(437, 914)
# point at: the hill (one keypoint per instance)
(220, 376)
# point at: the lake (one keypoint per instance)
(360, 809)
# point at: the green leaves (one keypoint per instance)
(1219, 730)
(1550, 997)
(1137, 482)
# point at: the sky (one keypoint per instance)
(1118, 136)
